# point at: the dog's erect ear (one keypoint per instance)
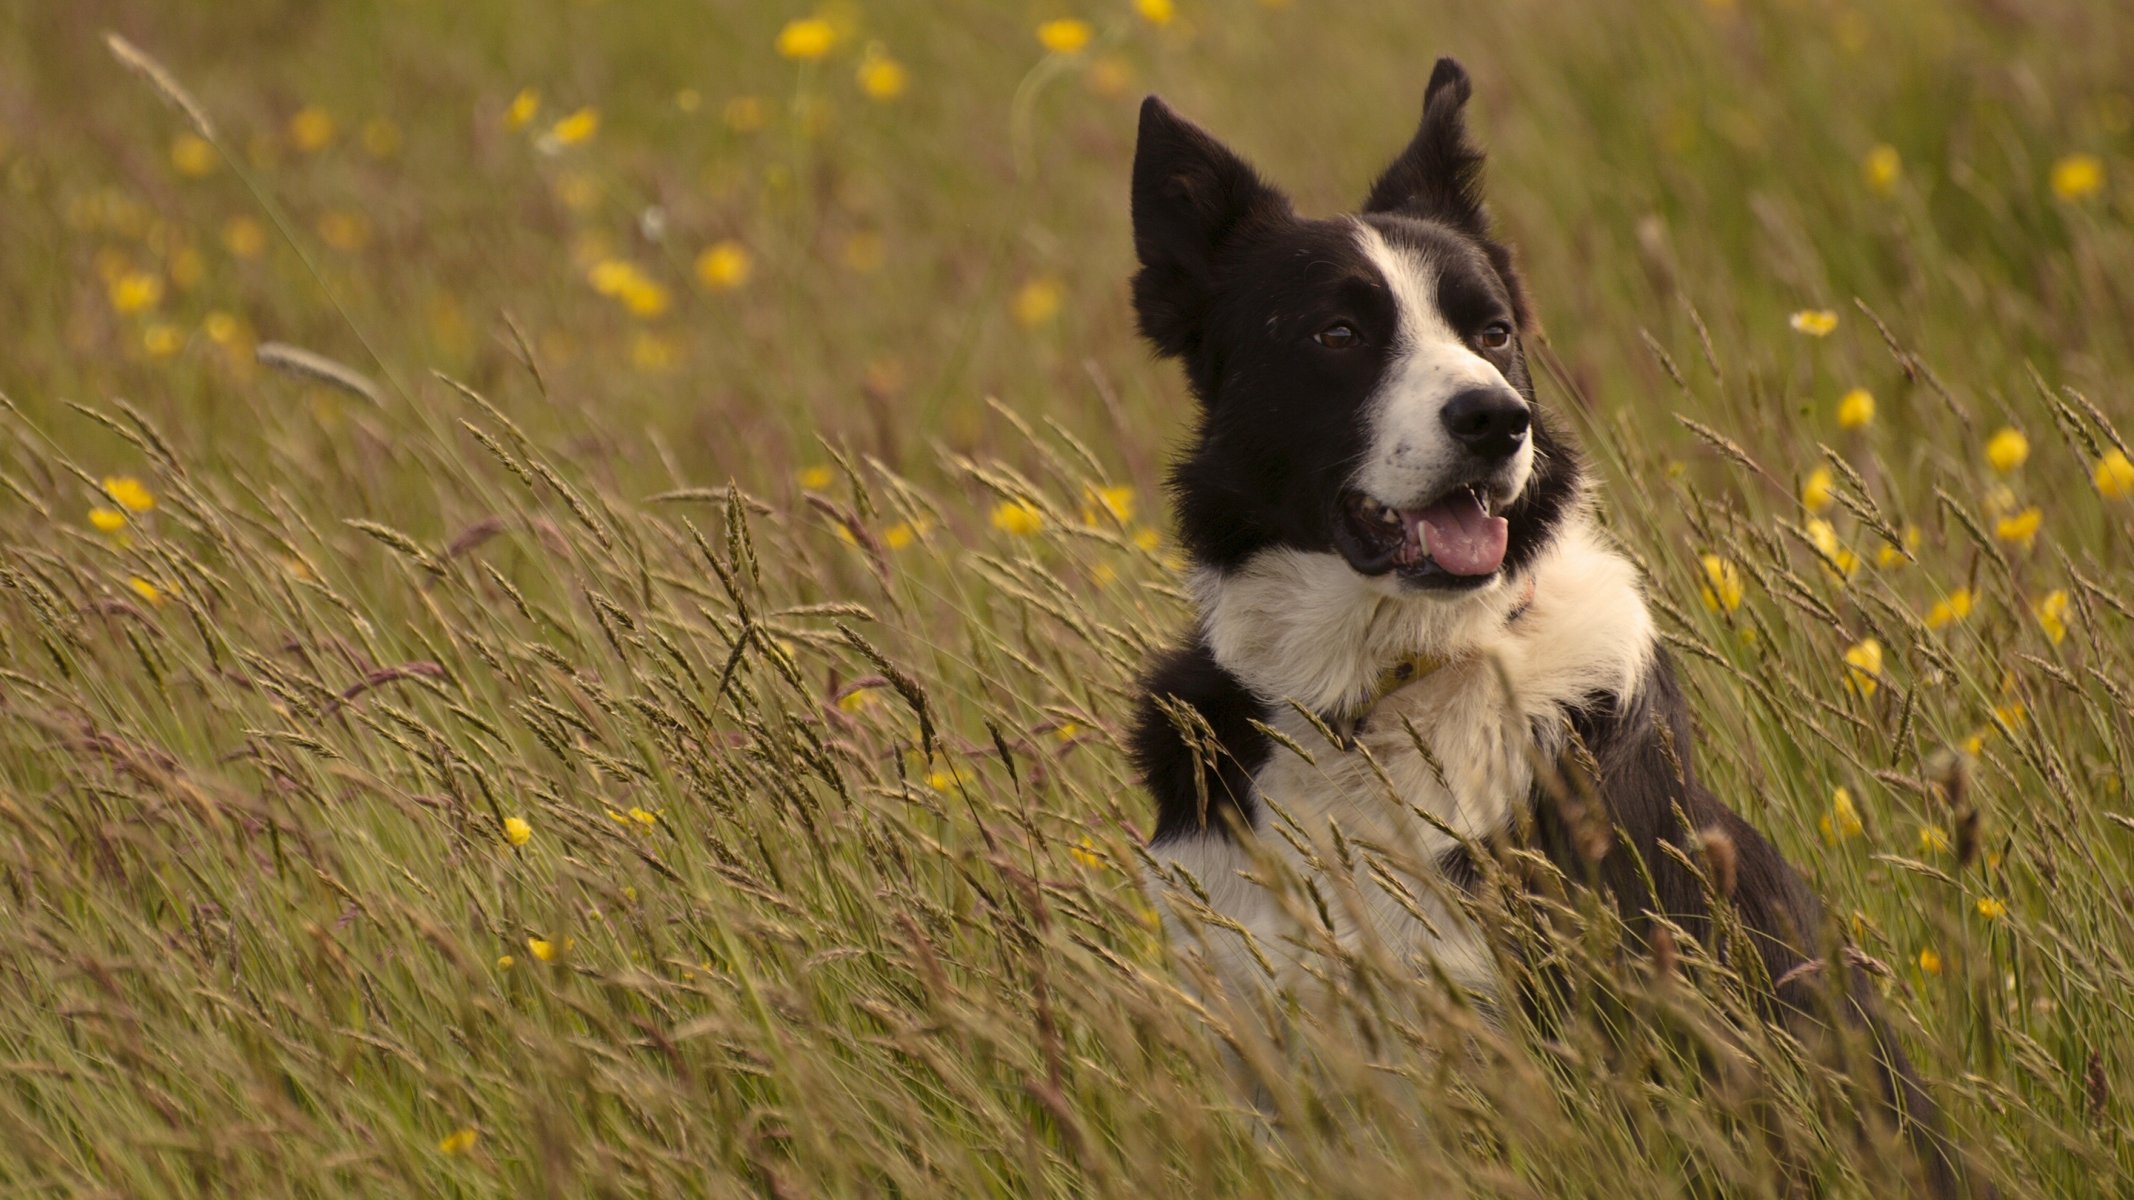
(1439, 175)
(1191, 197)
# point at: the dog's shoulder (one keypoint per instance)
(1187, 701)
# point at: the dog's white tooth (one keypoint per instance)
(1387, 516)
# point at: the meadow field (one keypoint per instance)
(571, 576)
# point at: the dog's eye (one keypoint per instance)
(1339, 336)
(1495, 336)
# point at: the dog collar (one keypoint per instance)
(1412, 667)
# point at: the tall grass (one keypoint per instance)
(664, 736)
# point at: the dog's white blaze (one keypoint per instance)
(1412, 459)
(1307, 619)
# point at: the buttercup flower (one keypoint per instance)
(2077, 177)
(1037, 302)
(1843, 819)
(459, 1141)
(2007, 449)
(1950, 609)
(128, 493)
(1863, 666)
(1816, 489)
(806, 39)
(1018, 517)
(2021, 529)
(1815, 322)
(2114, 476)
(1722, 584)
(1882, 168)
(578, 127)
(2051, 612)
(517, 831)
(880, 76)
(724, 266)
(524, 107)
(1856, 409)
(1064, 36)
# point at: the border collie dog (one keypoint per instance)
(1396, 569)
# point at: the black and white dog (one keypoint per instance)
(1392, 549)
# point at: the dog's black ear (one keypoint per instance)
(1191, 197)
(1439, 175)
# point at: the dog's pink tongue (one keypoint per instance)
(1463, 539)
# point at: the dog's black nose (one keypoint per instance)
(1490, 422)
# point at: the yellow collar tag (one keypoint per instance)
(1394, 678)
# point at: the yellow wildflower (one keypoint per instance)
(940, 781)
(578, 127)
(541, 949)
(1933, 839)
(2077, 176)
(1843, 819)
(642, 816)
(311, 129)
(135, 291)
(1992, 909)
(145, 590)
(2051, 611)
(724, 266)
(381, 138)
(128, 493)
(856, 700)
(1084, 852)
(2020, 529)
(1890, 555)
(806, 39)
(1118, 501)
(162, 339)
(1929, 961)
(505, 962)
(1108, 75)
(1815, 322)
(2114, 476)
(344, 231)
(1156, 12)
(2007, 449)
(1882, 168)
(815, 478)
(186, 268)
(1019, 517)
(1721, 590)
(1065, 35)
(651, 352)
(517, 831)
(880, 76)
(1950, 609)
(1147, 539)
(192, 155)
(523, 109)
(746, 114)
(1856, 409)
(223, 329)
(459, 1141)
(1037, 302)
(645, 298)
(107, 520)
(903, 534)
(1863, 666)
(1816, 489)
(244, 237)
(1836, 556)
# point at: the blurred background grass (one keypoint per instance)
(868, 262)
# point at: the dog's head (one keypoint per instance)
(1362, 382)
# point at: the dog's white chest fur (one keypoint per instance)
(1292, 626)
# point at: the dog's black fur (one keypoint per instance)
(1231, 280)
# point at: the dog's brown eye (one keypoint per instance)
(1339, 336)
(1495, 336)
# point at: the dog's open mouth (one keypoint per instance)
(1457, 539)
